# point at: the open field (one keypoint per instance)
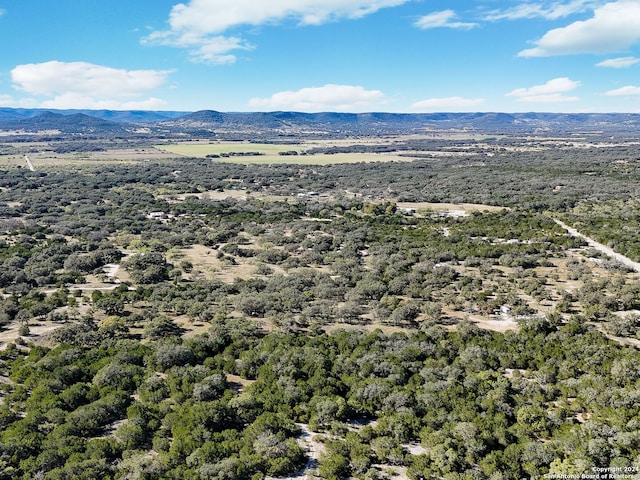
(202, 149)
(43, 158)
(449, 208)
(44, 155)
(270, 154)
(46, 159)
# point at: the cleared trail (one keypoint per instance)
(29, 164)
(600, 247)
(313, 449)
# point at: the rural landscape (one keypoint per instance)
(295, 296)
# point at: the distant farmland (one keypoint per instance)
(267, 153)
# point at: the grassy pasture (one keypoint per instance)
(43, 158)
(270, 154)
(201, 149)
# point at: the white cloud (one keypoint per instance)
(74, 100)
(549, 11)
(621, 62)
(551, 92)
(613, 27)
(448, 104)
(214, 50)
(442, 19)
(202, 48)
(85, 85)
(198, 25)
(334, 98)
(9, 101)
(624, 91)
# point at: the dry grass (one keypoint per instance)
(38, 332)
(222, 195)
(449, 207)
(204, 259)
(207, 264)
(242, 382)
(42, 158)
(192, 328)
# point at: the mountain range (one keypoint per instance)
(110, 123)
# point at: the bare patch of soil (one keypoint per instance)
(238, 194)
(38, 331)
(496, 323)
(242, 382)
(465, 208)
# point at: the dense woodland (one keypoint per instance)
(314, 303)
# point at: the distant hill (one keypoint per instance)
(381, 122)
(127, 116)
(206, 123)
(75, 123)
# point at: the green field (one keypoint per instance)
(204, 149)
(270, 153)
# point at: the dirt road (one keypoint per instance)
(600, 247)
(29, 164)
(313, 450)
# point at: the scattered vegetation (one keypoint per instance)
(195, 319)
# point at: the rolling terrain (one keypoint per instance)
(282, 124)
(452, 303)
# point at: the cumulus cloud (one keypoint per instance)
(9, 101)
(199, 25)
(622, 62)
(613, 27)
(443, 19)
(335, 98)
(85, 85)
(551, 92)
(624, 91)
(73, 100)
(447, 104)
(546, 10)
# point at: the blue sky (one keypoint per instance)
(322, 55)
